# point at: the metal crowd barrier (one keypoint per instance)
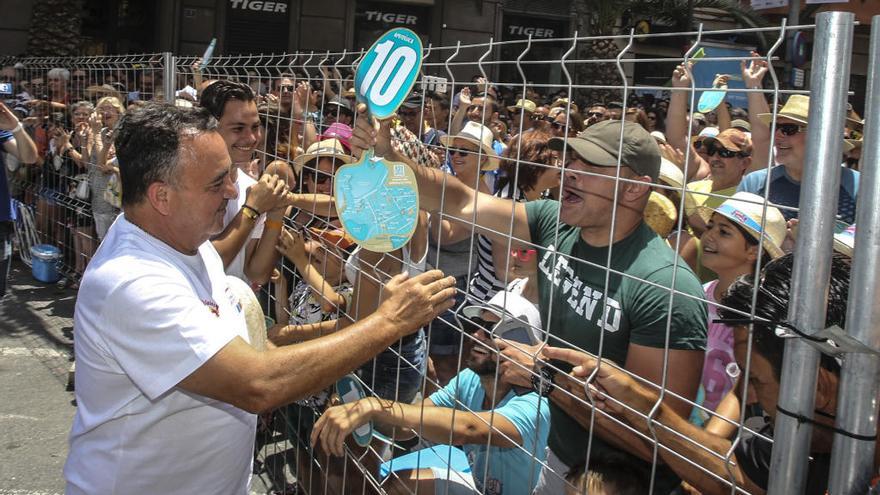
(286, 458)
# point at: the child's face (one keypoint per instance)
(725, 247)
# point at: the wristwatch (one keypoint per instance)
(542, 382)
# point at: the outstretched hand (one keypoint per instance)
(753, 73)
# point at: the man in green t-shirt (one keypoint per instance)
(622, 313)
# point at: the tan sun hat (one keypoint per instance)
(670, 174)
(797, 109)
(527, 105)
(745, 209)
(660, 214)
(253, 313)
(328, 148)
(479, 135)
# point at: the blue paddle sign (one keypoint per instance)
(349, 390)
(388, 71)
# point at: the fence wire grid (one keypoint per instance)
(628, 447)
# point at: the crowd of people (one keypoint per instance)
(569, 257)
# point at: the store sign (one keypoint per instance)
(768, 4)
(519, 28)
(256, 26)
(380, 15)
(259, 6)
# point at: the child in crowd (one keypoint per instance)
(730, 249)
(609, 475)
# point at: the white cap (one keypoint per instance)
(520, 318)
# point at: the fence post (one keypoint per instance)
(852, 460)
(812, 264)
(170, 76)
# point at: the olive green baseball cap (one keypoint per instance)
(600, 145)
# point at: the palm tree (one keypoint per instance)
(600, 18)
(55, 28)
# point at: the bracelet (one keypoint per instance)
(274, 224)
(250, 212)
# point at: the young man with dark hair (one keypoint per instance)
(699, 456)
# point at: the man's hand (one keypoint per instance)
(517, 364)
(301, 99)
(464, 97)
(337, 423)
(411, 303)
(8, 120)
(267, 194)
(681, 76)
(611, 385)
(370, 133)
(753, 73)
(721, 81)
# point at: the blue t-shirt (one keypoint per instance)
(786, 191)
(512, 471)
(7, 213)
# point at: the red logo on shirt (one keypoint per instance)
(212, 306)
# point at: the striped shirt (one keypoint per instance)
(484, 283)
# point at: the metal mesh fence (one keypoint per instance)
(636, 415)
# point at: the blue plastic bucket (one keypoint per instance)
(44, 263)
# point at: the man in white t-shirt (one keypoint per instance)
(167, 384)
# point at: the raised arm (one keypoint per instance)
(21, 145)
(677, 115)
(438, 189)
(753, 77)
(434, 423)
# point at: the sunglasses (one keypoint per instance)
(789, 129)
(711, 150)
(286, 88)
(409, 114)
(471, 325)
(596, 114)
(524, 255)
(461, 152)
(321, 177)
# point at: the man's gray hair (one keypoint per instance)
(148, 145)
(82, 104)
(59, 73)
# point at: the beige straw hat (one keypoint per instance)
(745, 209)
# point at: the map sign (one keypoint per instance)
(377, 202)
(388, 71)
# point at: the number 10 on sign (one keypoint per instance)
(388, 71)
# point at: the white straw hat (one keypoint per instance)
(479, 135)
(328, 148)
(746, 209)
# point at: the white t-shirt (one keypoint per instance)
(242, 183)
(146, 317)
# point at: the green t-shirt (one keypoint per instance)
(571, 282)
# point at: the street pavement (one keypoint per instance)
(36, 321)
(36, 410)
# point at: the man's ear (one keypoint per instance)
(637, 187)
(159, 196)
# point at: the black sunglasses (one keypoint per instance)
(321, 177)
(723, 152)
(790, 129)
(596, 114)
(471, 325)
(287, 88)
(461, 152)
